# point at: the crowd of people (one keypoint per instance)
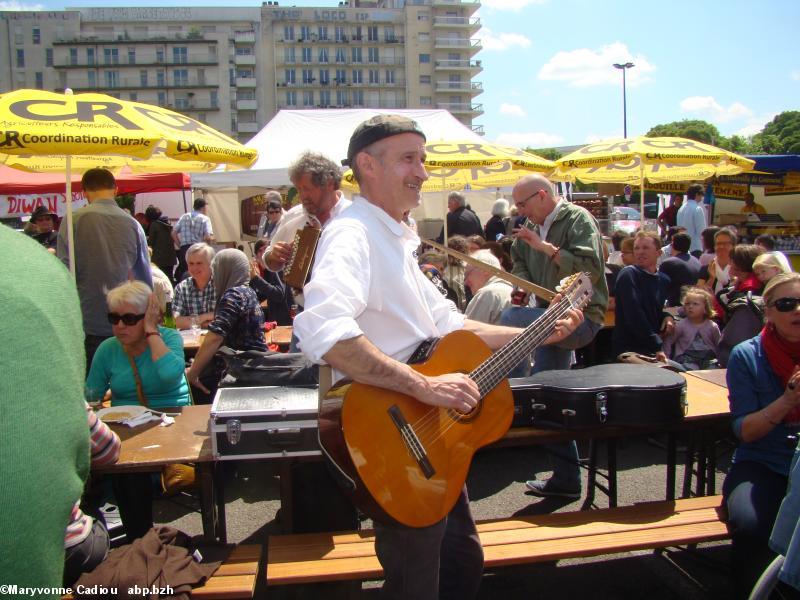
(694, 297)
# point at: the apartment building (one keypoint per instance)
(234, 68)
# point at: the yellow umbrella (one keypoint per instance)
(45, 131)
(638, 160)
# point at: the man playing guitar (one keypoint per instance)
(368, 307)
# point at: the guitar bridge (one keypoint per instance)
(410, 439)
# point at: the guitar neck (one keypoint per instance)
(501, 363)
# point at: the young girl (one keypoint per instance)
(695, 339)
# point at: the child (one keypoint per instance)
(769, 264)
(695, 338)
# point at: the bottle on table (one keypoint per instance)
(169, 318)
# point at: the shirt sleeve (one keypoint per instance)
(105, 443)
(337, 293)
(141, 268)
(742, 392)
(226, 315)
(179, 300)
(171, 366)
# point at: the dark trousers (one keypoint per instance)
(182, 266)
(133, 493)
(90, 344)
(84, 557)
(753, 495)
(444, 560)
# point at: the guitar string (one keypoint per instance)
(508, 356)
(497, 366)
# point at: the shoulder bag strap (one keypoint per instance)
(139, 389)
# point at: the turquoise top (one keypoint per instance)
(163, 381)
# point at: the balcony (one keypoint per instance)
(451, 3)
(469, 23)
(473, 87)
(247, 127)
(473, 66)
(143, 60)
(244, 37)
(135, 83)
(247, 105)
(245, 82)
(153, 37)
(461, 108)
(245, 59)
(478, 129)
(461, 44)
(197, 108)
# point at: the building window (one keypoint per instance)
(305, 33)
(291, 98)
(374, 76)
(180, 77)
(323, 55)
(324, 77)
(39, 80)
(212, 52)
(341, 56)
(288, 55)
(338, 34)
(132, 56)
(308, 76)
(162, 98)
(73, 56)
(372, 55)
(91, 77)
(342, 98)
(357, 35)
(358, 98)
(425, 101)
(202, 117)
(423, 15)
(372, 33)
(182, 103)
(289, 76)
(232, 77)
(37, 36)
(388, 34)
(19, 38)
(325, 98)
(90, 57)
(423, 36)
(159, 55)
(341, 76)
(214, 99)
(160, 78)
(143, 78)
(20, 58)
(111, 56)
(201, 76)
(322, 33)
(358, 76)
(133, 97)
(48, 57)
(425, 79)
(306, 55)
(355, 54)
(111, 79)
(424, 58)
(389, 75)
(180, 55)
(308, 98)
(288, 33)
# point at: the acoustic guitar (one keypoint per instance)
(403, 461)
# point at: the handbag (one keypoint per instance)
(254, 368)
(175, 477)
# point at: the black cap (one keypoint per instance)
(377, 128)
(41, 211)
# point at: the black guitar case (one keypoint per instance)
(601, 396)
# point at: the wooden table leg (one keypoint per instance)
(671, 464)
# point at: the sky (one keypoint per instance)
(548, 78)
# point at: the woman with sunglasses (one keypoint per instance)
(764, 392)
(142, 364)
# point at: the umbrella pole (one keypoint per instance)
(444, 224)
(641, 195)
(70, 231)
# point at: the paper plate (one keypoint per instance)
(115, 414)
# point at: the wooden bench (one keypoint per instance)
(235, 578)
(310, 558)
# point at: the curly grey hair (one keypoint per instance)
(321, 169)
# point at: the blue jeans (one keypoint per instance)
(564, 456)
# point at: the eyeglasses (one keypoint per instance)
(274, 212)
(785, 304)
(127, 318)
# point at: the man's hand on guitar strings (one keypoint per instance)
(451, 390)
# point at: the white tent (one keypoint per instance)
(326, 131)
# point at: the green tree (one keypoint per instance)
(693, 129)
(781, 135)
(548, 153)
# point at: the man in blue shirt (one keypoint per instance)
(692, 217)
(110, 248)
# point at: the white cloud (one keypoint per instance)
(502, 41)
(585, 67)
(514, 110)
(14, 5)
(591, 138)
(755, 125)
(514, 5)
(532, 139)
(710, 108)
(795, 75)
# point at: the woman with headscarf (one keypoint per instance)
(238, 320)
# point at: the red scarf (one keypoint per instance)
(783, 357)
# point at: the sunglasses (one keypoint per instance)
(273, 212)
(127, 318)
(785, 304)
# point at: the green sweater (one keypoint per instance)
(44, 434)
(574, 230)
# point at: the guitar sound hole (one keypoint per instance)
(465, 417)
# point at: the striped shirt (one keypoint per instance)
(191, 300)
(193, 227)
(105, 445)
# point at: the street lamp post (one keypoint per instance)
(624, 67)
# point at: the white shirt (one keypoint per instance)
(544, 228)
(366, 281)
(297, 218)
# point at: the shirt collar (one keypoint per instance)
(397, 229)
(552, 216)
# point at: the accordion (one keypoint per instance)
(298, 267)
